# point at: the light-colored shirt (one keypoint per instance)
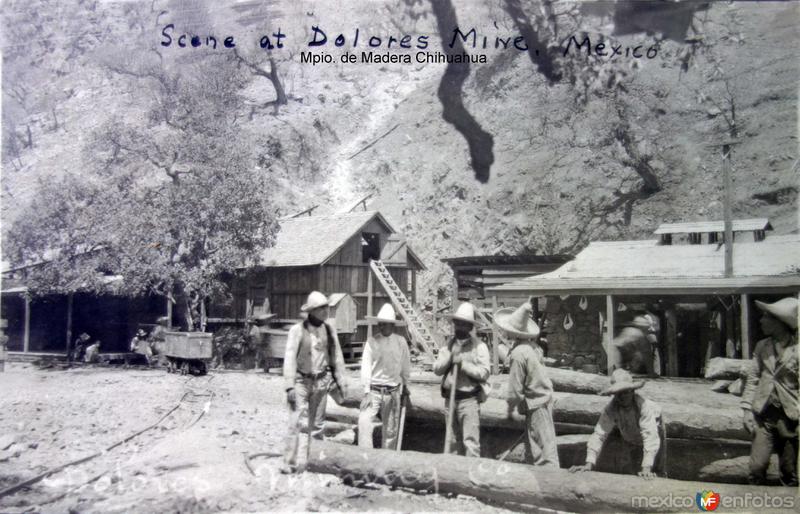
(474, 368)
(386, 362)
(527, 377)
(307, 352)
(637, 425)
(772, 377)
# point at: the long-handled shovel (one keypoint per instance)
(402, 427)
(451, 410)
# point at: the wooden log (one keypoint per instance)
(735, 471)
(721, 368)
(685, 420)
(518, 483)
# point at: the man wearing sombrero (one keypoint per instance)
(529, 388)
(467, 357)
(385, 371)
(640, 427)
(770, 398)
(312, 365)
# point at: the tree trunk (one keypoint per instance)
(735, 471)
(507, 482)
(280, 93)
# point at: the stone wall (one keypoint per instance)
(579, 342)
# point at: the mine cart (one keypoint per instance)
(187, 351)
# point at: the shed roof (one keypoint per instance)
(646, 267)
(313, 240)
(506, 260)
(713, 226)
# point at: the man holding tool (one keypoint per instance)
(385, 371)
(464, 364)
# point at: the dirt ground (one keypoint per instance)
(192, 460)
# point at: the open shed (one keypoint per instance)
(328, 253)
(702, 312)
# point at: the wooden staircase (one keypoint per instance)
(417, 330)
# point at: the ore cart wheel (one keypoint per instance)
(185, 368)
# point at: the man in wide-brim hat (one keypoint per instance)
(640, 427)
(529, 388)
(472, 357)
(385, 372)
(634, 348)
(312, 366)
(770, 398)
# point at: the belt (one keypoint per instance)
(313, 376)
(461, 395)
(384, 388)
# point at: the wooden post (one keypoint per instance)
(369, 301)
(26, 336)
(454, 300)
(202, 315)
(69, 323)
(495, 342)
(745, 319)
(730, 333)
(169, 313)
(726, 170)
(611, 358)
(672, 342)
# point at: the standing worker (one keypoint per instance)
(529, 388)
(770, 399)
(385, 371)
(312, 366)
(467, 357)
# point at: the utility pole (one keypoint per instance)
(728, 214)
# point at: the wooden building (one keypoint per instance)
(702, 312)
(327, 253)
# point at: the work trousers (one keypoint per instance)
(540, 444)
(387, 404)
(774, 432)
(466, 433)
(307, 417)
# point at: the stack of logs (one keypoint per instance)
(706, 437)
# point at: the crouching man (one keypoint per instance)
(529, 388)
(312, 366)
(385, 371)
(640, 426)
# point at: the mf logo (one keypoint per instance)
(707, 500)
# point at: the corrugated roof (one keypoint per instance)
(312, 240)
(639, 267)
(506, 260)
(713, 226)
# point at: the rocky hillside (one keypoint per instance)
(570, 164)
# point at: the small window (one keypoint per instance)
(370, 246)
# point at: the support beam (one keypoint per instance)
(495, 341)
(745, 319)
(612, 359)
(369, 302)
(69, 323)
(169, 313)
(672, 342)
(26, 336)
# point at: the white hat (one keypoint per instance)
(784, 310)
(517, 322)
(621, 380)
(465, 312)
(315, 300)
(385, 315)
